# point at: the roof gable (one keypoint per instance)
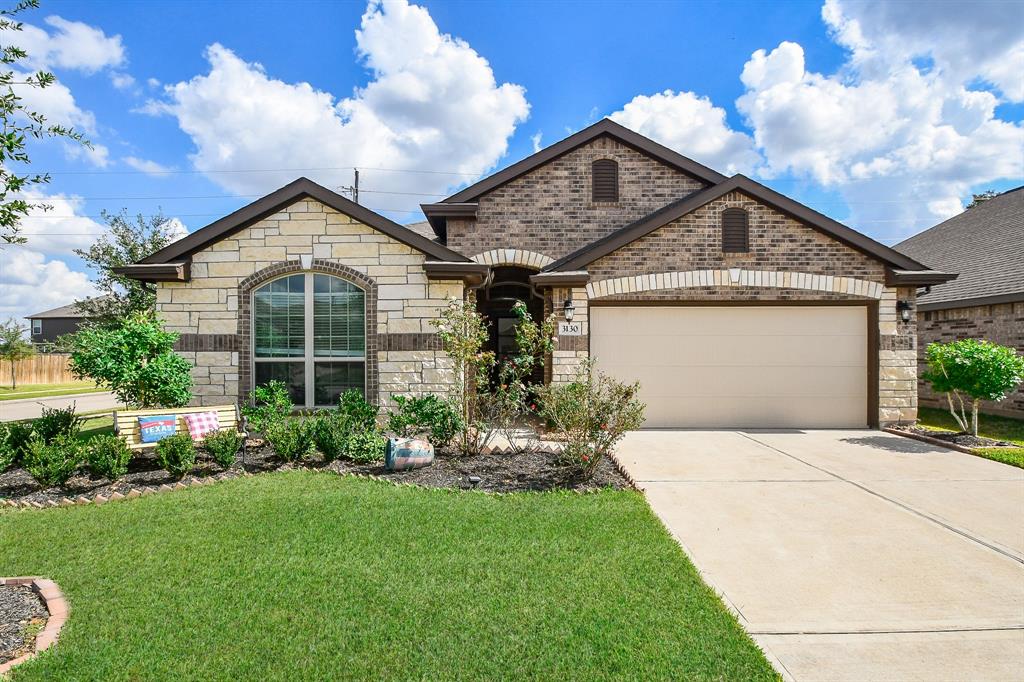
(603, 127)
(299, 189)
(630, 233)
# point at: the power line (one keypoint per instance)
(254, 170)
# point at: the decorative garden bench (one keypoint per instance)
(126, 422)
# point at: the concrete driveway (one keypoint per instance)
(849, 555)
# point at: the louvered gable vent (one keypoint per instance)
(605, 178)
(735, 231)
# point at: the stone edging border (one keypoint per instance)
(931, 441)
(140, 491)
(56, 605)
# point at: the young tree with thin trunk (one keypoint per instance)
(13, 346)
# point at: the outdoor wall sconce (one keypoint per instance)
(904, 309)
(569, 308)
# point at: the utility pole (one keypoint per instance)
(353, 189)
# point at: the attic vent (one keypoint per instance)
(605, 179)
(735, 231)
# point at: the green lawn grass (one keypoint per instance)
(303, 575)
(46, 390)
(989, 426)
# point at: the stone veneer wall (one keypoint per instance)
(1002, 323)
(402, 349)
(549, 211)
(666, 265)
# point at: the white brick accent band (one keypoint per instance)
(735, 277)
(527, 259)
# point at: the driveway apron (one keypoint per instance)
(849, 555)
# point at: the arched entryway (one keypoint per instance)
(509, 284)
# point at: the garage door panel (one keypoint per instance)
(742, 366)
(753, 350)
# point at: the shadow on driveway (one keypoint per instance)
(902, 445)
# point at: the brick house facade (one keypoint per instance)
(536, 227)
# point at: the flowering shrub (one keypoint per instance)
(593, 412)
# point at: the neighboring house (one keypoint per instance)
(986, 245)
(50, 324)
(733, 305)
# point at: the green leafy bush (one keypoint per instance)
(331, 432)
(978, 369)
(176, 454)
(136, 360)
(18, 436)
(223, 446)
(291, 439)
(56, 422)
(428, 415)
(7, 453)
(267, 404)
(52, 463)
(366, 446)
(107, 456)
(593, 412)
(354, 408)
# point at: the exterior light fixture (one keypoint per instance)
(569, 308)
(904, 309)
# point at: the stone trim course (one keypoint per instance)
(735, 277)
(56, 605)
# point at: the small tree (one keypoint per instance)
(21, 123)
(978, 199)
(977, 369)
(125, 243)
(463, 333)
(136, 361)
(13, 346)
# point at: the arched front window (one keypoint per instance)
(309, 331)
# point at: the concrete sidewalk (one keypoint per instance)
(30, 408)
(849, 555)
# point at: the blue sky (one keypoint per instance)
(881, 115)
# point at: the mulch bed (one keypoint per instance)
(964, 440)
(22, 615)
(497, 471)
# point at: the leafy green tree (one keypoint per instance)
(978, 199)
(19, 124)
(13, 346)
(135, 360)
(125, 243)
(978, 369)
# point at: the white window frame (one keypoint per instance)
(37, 326)
(308, 358)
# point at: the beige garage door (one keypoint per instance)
(732, 366)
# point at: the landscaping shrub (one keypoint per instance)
(291, 439)
(330, 434)
(981, 370)
(176, 454)
(366, 446)
(267, 404)
(354, 408)
(7, 453)
(18, 436)
(429, 415)
(56, 422)
(52, 463)
(223, 446)
(593, 412)
(107, 456)
(136, 360)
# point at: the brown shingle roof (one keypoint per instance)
(985, 244)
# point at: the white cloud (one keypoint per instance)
(432, 104)
(147, 166)
(60, 230)
(122, 81)
(31, 283)
(902, 142)
(693, 126)
(71, 45)
(175, 229)
(536, 140)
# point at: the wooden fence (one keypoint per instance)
(41, 368)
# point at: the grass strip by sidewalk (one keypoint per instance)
(47, 390)
(303, 575)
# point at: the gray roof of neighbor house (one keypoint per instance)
(69, 310)
(985, 244)
(423, 229)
